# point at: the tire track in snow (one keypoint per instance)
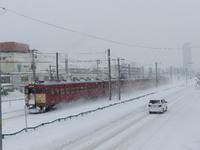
(177, 106)
(121, 143)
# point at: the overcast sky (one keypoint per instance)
(160, 24)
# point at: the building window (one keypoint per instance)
(24, 79)
(46, 78)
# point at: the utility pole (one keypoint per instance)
(109, 75)
(119, 90)
(1, 145)
(57, 75)
(33, 66)
(98, 62)
(186, 70)
(50, 74)
(156, 63)
(171, 74)
(178, 74)
(66, 66)
(129, 71)
(142, 69)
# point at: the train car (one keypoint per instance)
(41, 96)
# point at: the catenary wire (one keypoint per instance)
(89, 35)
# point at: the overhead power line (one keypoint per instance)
(89, 35)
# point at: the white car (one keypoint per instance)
(157, 106)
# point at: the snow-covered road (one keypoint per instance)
(125, 126)
(140, 131)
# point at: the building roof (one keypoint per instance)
(14, 47)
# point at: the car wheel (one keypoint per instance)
(166, 108)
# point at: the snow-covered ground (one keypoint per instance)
(124, 126)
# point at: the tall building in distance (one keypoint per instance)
(187, 56)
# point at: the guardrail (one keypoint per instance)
(75, 116)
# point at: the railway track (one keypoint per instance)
(13, 114)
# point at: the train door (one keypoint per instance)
(30, 96)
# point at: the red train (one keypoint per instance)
(39, 97)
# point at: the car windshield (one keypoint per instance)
(154, 101)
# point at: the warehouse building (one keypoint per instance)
(14, 57)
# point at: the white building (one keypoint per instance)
(14, 57)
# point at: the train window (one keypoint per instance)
(57, 91)
(81, 88)
(67, 90)
(62, 91)
(40, 90)
(52, 91)
(29, 90)
(72, 90)
(106, 86)
(85, 88)
(77, 89)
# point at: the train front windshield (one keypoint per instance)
(34, 90)
(29, 90)
(31, 95)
